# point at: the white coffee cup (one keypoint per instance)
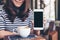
(23, 31)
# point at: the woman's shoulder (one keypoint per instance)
(2, 14)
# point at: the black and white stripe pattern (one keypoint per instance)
(6, 24)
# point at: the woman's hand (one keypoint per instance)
(32, 31)
(4, 33)
(32, 22)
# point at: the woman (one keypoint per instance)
(16, 13)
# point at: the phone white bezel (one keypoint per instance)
(38, 10)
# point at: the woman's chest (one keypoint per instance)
(17, 22)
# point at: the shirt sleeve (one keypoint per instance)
(31, 15)
(2, 24)
(31, 18)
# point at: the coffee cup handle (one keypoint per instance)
(15, 30)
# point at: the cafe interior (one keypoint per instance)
(51, 19)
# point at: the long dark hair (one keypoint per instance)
(22, 12)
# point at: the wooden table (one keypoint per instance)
(34, 38)
(40, 38)
(53, 35)
(37, 38)
(58, 30)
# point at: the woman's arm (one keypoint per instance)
(32, 30)
(4, 33)
(31, 18)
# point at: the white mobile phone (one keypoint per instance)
(38, 19)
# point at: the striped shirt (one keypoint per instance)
(6, 24)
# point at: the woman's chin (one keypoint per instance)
(18, 6)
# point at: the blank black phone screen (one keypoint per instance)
(38, 19)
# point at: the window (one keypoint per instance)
(37, 4)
